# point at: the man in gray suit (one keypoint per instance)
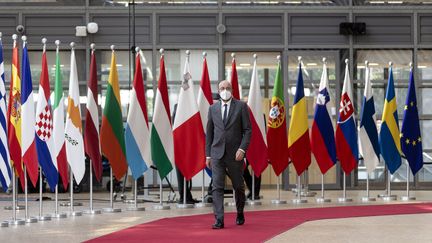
(228, 135)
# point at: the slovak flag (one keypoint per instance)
(346, 132)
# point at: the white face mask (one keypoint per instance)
(225, 95)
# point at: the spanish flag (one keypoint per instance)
(112, 132)
(298, 135)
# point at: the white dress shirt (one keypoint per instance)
(223, 107)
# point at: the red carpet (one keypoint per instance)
(259, 226)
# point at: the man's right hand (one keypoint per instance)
(208, 163)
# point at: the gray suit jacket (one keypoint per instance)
(226, 140)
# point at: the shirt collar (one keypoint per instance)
(228, 103)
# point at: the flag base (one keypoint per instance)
(203, 205)
(132, 201)
(161, 207)
(183, 206)
(299, 201)
(111, 210)
(92, 212)
(277, 201)
(368, 199)
(230, 204)
(59, 215)
(17, 222)
(44, 218)
(136, 209)
(75, 213)
(322, 200)
(18, 207)
(4, 224)
(67, 204)
(253, 203)
(389, 198)
(31, 220)
(344, 200)
(408, 198)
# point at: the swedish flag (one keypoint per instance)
(411, 136)
(389, 136)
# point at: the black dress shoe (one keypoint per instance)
(218, 225)
(240, 219)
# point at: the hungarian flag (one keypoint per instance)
(277, 140)
(73, 128)
(322, 138)
(257, 150)
(5, 170)
(137, 130)
(368, 134)
(188, 133)
(44, 128)
(162, 144)
(234, 79)
(112, 132)
(58, 128)
(298, 135)
(91, 132)
(389, 136)
(410, 134)
(346, 130)
(14, 115)
(29, 154)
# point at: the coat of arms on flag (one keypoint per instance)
(44, 124)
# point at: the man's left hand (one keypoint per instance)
(239, 155)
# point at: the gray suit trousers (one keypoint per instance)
(235, 171)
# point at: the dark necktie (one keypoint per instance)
(225, 113)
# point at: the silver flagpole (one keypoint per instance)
(135, 201)
(299, 199)
(71, 186)
(322, 199)
(344, 199)
(56, 210)
(111, 209)
(27, 218)
(203, 204)
(41, 216)
(278, 200)
(91, 210)
(368, 198)
(389, 196)
(184, 204)
(253, 202)
(160, 206)
(408, 197)
(14, 220)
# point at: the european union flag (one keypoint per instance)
(410, 134)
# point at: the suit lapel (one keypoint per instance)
(219, 113)
(231, 111)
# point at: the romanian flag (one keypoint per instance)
(14, 115)
(112, 133)
(389, 136)
(298, 135)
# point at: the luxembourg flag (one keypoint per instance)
(368, 134)
(188, 133)
(29, 154)
(137, 132)
(322, 138)
(346, 132)
(257, 152)
(44, 127)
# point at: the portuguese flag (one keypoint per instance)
(277, 140)
(112, 133)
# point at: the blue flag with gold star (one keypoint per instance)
(410, 134)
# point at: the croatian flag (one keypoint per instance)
(44, 128)
(322, 138)
(346, 132)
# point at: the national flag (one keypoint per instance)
(58, 126)
(28, 153)
(346, 129)
(14, 115)
(73, 128)
(234, 79)
(257, 150)
(410, 135)
(277, 139)
(5, 170)
(162, 144)
(368, 134)
(323, 143)
(188, 133)
(91, 132)
(389, 136)
(112, 133)
(44, 128)
(298, 134)
(137, 130)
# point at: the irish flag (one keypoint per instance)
(189, 138)
(112, 132)
(162, 144)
